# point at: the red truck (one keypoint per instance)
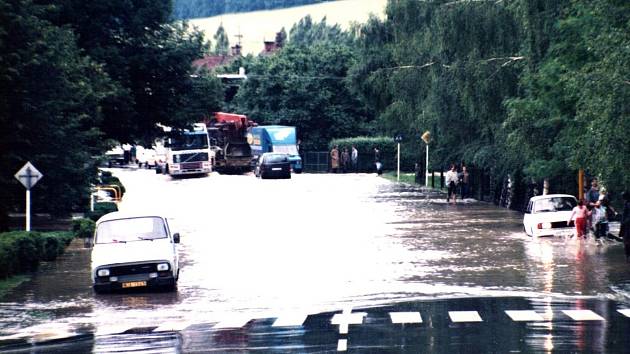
(228, 140)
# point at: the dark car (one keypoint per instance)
(273, 165)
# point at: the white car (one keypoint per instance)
(134, 251)
(547, 215)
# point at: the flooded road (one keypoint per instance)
(316, 243)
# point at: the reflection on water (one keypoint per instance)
(316, 243)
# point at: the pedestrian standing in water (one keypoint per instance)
(334, 159)
(581, 213)
(345, 160)
(464, 179)
(600, 221)
(354, 157)
(624, 231)
(377, 161)
(591, 197)
(451, 182)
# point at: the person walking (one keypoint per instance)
(377, 161)
(354, 158)
(451, 182)
(624, 231)
(591, 197)
(581, 213)
(600, 221)
(464, 179)
(334, 159)
(345, 160)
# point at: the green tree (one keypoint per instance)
(222, 43)
(307, 87)
(49, 107)
(147, 56)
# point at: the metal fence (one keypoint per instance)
(315, 161)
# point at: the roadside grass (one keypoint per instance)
(10, 283)
(410, 178)
(404, 177)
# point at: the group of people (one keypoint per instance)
(457, 180)
(594, 212)
(346, 161)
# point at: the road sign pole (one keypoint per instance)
(426, 183)
(398, 168)
(28, 210)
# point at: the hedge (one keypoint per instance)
(22, 251)
(365, 147)
(101, 209)
(108, 179)
(83, 228)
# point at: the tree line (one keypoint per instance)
(77, 77)
(188, 9)
(527, 88)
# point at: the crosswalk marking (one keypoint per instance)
(234, 322)
(625, 312)
(464, 316)
(290, 320)
(173, 326)
(342, 345)
(405, 317)
(347, 318)
(524, 315)
(583, 315)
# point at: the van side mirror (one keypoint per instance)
(176, 237)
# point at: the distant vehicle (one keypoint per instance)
(115, 156)
(273, 165)
(134, 251)
(275, 138)
(228, 139)
(188, 151)
(547, 215)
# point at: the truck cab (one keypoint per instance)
(188, 151)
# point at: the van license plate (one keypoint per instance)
(134, 284)
(277, 169)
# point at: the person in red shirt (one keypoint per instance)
(581, 213)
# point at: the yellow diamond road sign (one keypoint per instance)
(28, 175)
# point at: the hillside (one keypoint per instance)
(188, 9)
(256, 27)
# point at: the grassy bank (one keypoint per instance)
(7, 284)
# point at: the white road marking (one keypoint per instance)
(290, 320)
(104, 330)
(342, 345)
(234, 322)
(173, 326)
(347, 318)
(625, 312)
(524, 315)
(405, 317)
(464, 316)
(583, 315)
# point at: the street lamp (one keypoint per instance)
(426, 137)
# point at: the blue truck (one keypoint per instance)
(275, 138)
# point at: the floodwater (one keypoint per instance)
(256, 248)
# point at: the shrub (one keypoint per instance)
(101, 209)
(83, 228)
(365, 146)
(22, 251)
(107, 178)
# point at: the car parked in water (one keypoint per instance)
(547, 215)
(134, 251)
(273, 165)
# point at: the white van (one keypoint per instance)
(134, 251)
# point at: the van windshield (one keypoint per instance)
(129, 230)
